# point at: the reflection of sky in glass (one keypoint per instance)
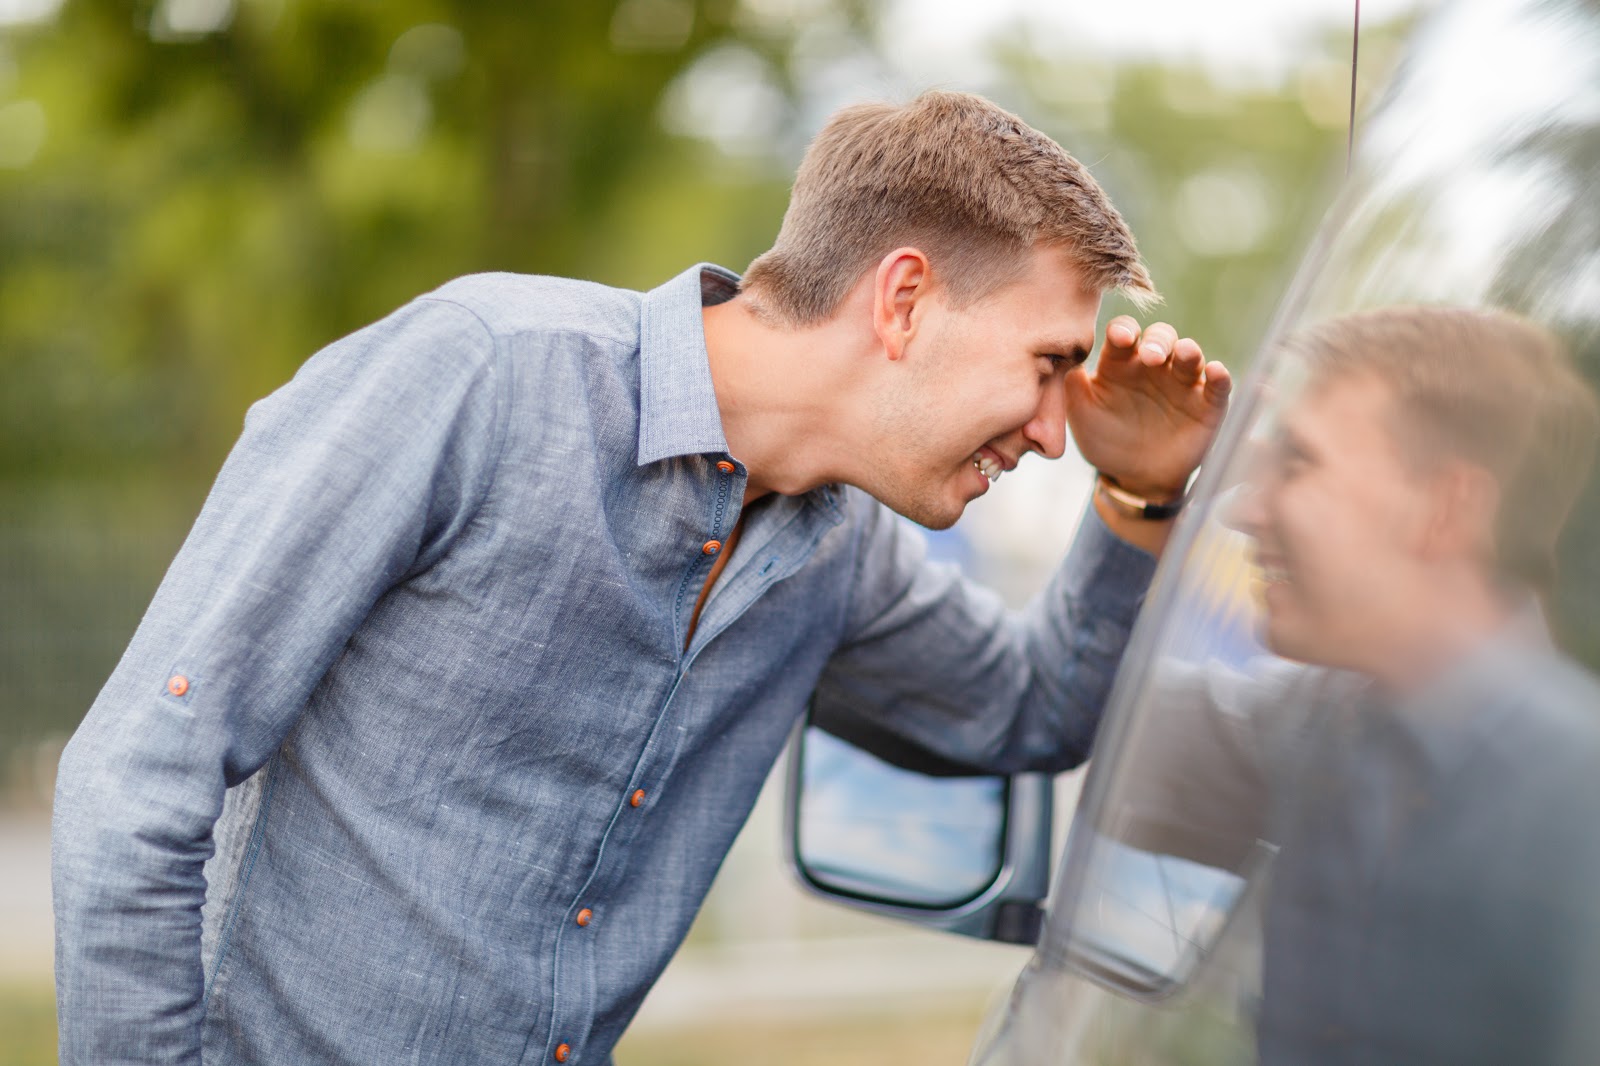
(874, 829)
(1216, 616)
(1152, 910)
(1439, 152)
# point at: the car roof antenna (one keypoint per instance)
(1355, 53)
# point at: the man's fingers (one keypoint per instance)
(1219, 383)
(1160, 347)
(1157, 344)
(1187, 361)
(1122, 333)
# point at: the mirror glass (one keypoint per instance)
(875, 831)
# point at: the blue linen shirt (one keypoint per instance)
(415, 694)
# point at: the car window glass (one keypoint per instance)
(1342, 806)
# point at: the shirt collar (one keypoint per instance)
(678, 413)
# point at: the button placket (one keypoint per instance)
(714, 545)
(695, 573)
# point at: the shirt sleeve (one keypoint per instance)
(932, 663)
(1200, 775)
(359, 472)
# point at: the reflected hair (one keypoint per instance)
(1488, 387)
(969, 184)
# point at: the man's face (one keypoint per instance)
(984, 385)
(1339, 520)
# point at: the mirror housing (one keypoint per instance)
(991, 849)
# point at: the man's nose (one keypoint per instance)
(1047, 429)
(1241, 508)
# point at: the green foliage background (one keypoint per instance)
(204, 209)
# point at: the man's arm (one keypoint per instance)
(935, 663)
(360, 471)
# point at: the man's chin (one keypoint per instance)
(1288, 641)
(931, 504)
(929, 514)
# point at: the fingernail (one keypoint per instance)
(1153, 349)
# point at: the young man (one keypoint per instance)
(1430, 785)
(499, 613)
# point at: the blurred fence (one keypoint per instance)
(78, 565)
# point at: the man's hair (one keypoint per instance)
(969, 184)
(1488, 387)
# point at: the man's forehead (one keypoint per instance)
(1067, 321)
(1340, 412)
(1056, 270)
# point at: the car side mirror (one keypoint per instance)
(964, 853)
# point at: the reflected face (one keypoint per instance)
(983, 386)
(1338, 520)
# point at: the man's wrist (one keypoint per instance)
(1152, 507)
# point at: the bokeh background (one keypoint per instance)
(195, 195)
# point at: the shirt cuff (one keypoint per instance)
(1106, 573)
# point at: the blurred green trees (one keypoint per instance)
(197, 194)
(212, 202)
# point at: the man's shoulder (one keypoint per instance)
(1557, 698)
(511, 304)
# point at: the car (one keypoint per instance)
(1460, 922)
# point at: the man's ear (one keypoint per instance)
(1466, 503)
(901, 281)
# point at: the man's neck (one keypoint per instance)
(788, 397)
(1446, 630)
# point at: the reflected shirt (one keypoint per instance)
(408, 761)
(1431, 898)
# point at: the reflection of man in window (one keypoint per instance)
(1434, 795)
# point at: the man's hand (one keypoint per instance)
(1149, 409)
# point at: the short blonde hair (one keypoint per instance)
(970, 184)
(1488, 387)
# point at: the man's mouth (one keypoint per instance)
(989, 465)
(1272, 568)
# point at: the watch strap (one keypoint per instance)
(1132, 505)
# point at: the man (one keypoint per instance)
(1430, 787)
(499, 613)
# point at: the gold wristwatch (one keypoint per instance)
(1131, 505)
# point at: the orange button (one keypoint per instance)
(584, 916)
(177, 684)
(711, 547)
(726, 467)
(562, 1051)
(637, 797)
